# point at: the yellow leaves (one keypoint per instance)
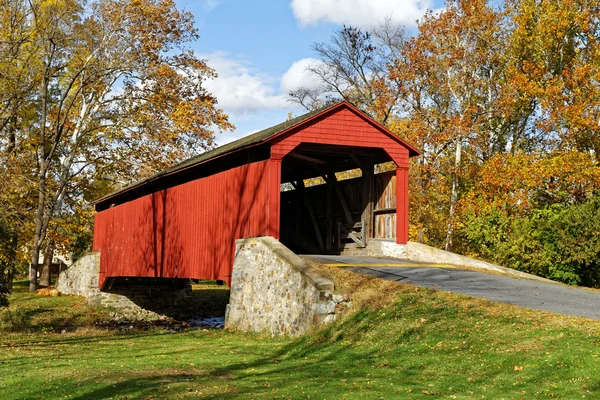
(519, 181)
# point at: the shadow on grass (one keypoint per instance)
(299, 362)
(21, 284)
(429, 343)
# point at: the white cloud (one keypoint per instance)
(255, 100)
(211, 4)
(298, 76)
(240, 88)
(359, 13)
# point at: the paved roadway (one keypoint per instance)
(522, 292)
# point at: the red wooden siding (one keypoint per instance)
(347, 127)
(187, 231)
(274, 204)
(343, 127)
(384, 218)
(402, 205)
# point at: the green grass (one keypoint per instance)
(398, 341)
(30, 312)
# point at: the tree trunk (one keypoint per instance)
(453, 196)
(39, 231)
(35, 255)
(43, 156)
(9, 278)
(45, 274)
(12, 261)
(37, 237)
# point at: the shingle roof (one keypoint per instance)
(253, 139)
(247, 141)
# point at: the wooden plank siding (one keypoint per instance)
(385, 205)
(187, 230)
(342, 127)
(384, 201)
(348, 127)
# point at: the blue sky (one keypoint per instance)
(261, 49)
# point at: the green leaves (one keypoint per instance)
(559, 242)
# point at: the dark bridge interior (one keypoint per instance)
(333, 200)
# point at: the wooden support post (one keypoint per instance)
(332, 178)
(329, 218)
(368, 178)
(274, 176)
(402, 205)
(315, 224)
(306, 158)
(311, 213)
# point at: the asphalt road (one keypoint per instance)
(522, 292)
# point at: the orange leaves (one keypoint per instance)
(516, 84)
(525, 181)
(98, 94)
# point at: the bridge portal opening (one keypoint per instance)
(336, 198)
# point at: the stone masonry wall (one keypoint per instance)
(275, 291)
(131, 299)
(81, 278)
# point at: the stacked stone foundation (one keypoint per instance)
(131, 299)
(275, 291)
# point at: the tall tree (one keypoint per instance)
(453, 71)
(353, 67)
(114, 88)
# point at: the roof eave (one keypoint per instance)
(412, 150)
(153, 179)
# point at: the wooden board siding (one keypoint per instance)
(384, 200)
(348, 127)
(186, 231)
(343, 127)
(385, 205)
(402, 204)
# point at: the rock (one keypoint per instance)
(275, 291)
(322, 309)
(329, 319)
(338, 298)
(331, 307)
(325, 295)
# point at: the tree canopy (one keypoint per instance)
(93, 95)
(503, 100)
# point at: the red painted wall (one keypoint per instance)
(346, 127)
(343, 127)
(187, 231)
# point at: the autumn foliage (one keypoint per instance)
(501, 97)
(503, 100)
(93, 95)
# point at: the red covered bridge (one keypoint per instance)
(183, 222)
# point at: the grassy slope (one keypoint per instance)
(399, 341)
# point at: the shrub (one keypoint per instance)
(560, 242)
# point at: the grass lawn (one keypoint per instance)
(398, 341)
